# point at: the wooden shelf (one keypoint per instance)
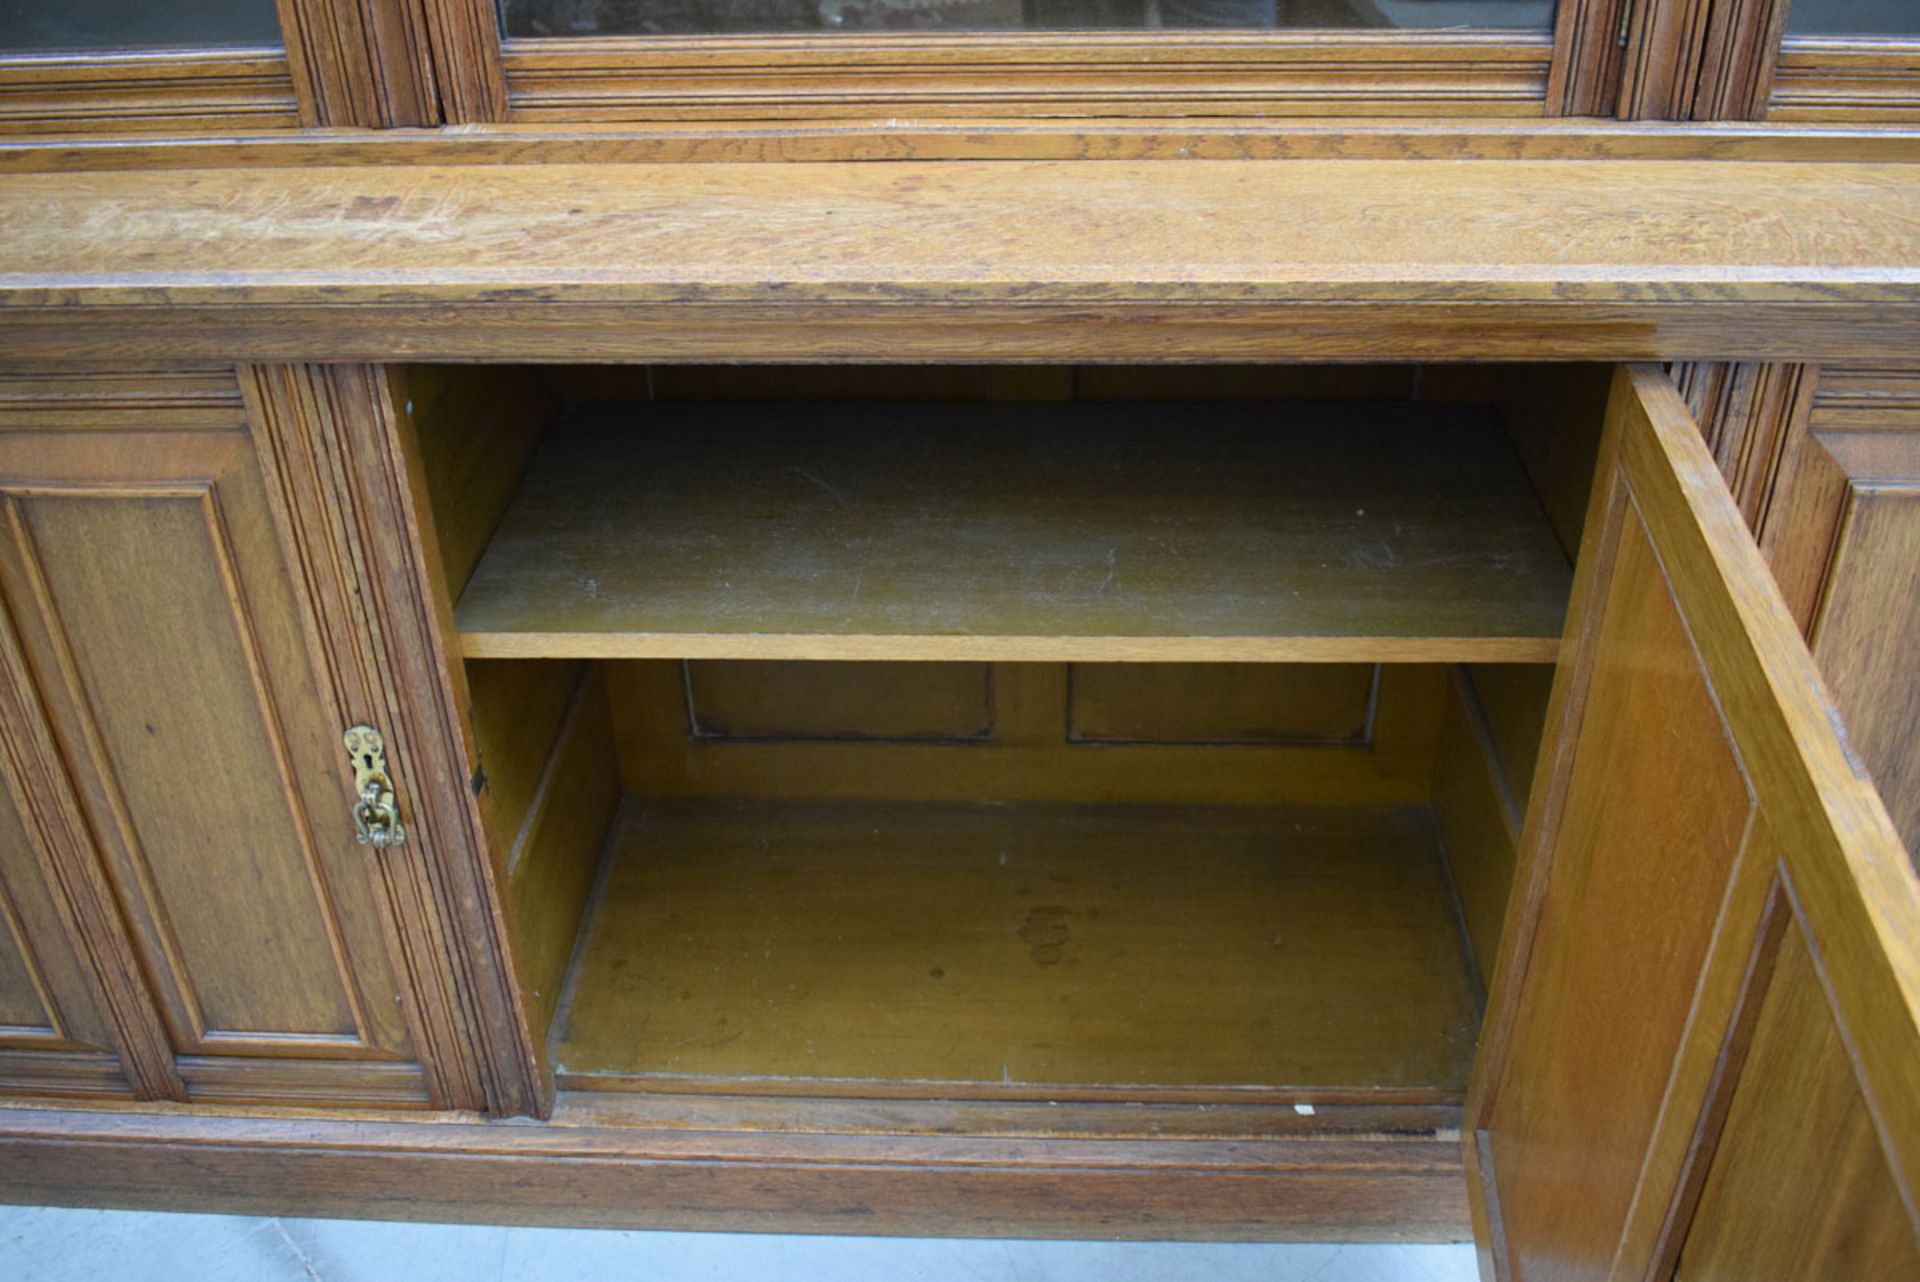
(1036, 951)
(1367, 243)
(994, 532)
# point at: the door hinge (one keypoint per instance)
(376, 811)
(1626, 23)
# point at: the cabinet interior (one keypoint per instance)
(1036, 736)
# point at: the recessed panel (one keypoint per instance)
(1865, 640)
(23, 1005)
(1315, 703)
(47, 997)
(942, 702)
(143, 591)
(1656, 816)
(1799, 1188)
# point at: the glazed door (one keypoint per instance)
(1706, 868)
(190, 811)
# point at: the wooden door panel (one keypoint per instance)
(183, 686)
(53, 1038)
(1694, 767)
(24, 1011)
(1621, 943)
(1843, 533)
(220, 864)
(1799, 1189)
(1867, 638)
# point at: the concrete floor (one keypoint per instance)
(39, 1244)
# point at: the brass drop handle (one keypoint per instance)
(376, 811)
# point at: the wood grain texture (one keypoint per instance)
(1842, 532)
(158, 397)
(1335, 1124)
(1867, 636)
(1462, 232)
(1737, 60)
(1213, 703)
(1802, 521)
(465, 39)
(1484, 259)
(130, 591)
(474, 430)
(1034, 74)
(773, 701)
(1853, 885)
(1588, 59)
(1745, 937)
(360, 63)
(178, 92)
(355, 528)
(1799, 1189)
(1553, 415)
(515, 711)
(917, 531)
(133, 555)
(1851, 878)
(595, 1168)
(1662, 58)
(556, 854)
(1750, 415)
(1514, 699)
(54, 1035)
(854, 331)
(1643, 857)
(1478, 818)
(1029, 755)
(67, 855)
(1024, 952)
(1844, 78)
(999, 138)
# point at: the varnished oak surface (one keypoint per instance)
(1350, 533)
(1594, 259)
(1799, 1189)
(1235, 230)
(1348, 1173)
(1640, 897)
(1027, 951)
(931, 137)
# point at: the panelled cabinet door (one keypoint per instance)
(55, 1037)
(169, 665)
(1697, 810)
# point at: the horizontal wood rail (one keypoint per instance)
(1236, 259)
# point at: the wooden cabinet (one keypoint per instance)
(1633, 965)
(189, 811)
(958, 720)
(1808, 1105)
(55, 1034)
(1082, 64)
(1798, 1122)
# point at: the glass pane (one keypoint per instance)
(1854, 18)
(50, 26)
(691, 17)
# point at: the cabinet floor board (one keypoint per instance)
(1036, 951)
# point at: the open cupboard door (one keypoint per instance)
(1705, 1014)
